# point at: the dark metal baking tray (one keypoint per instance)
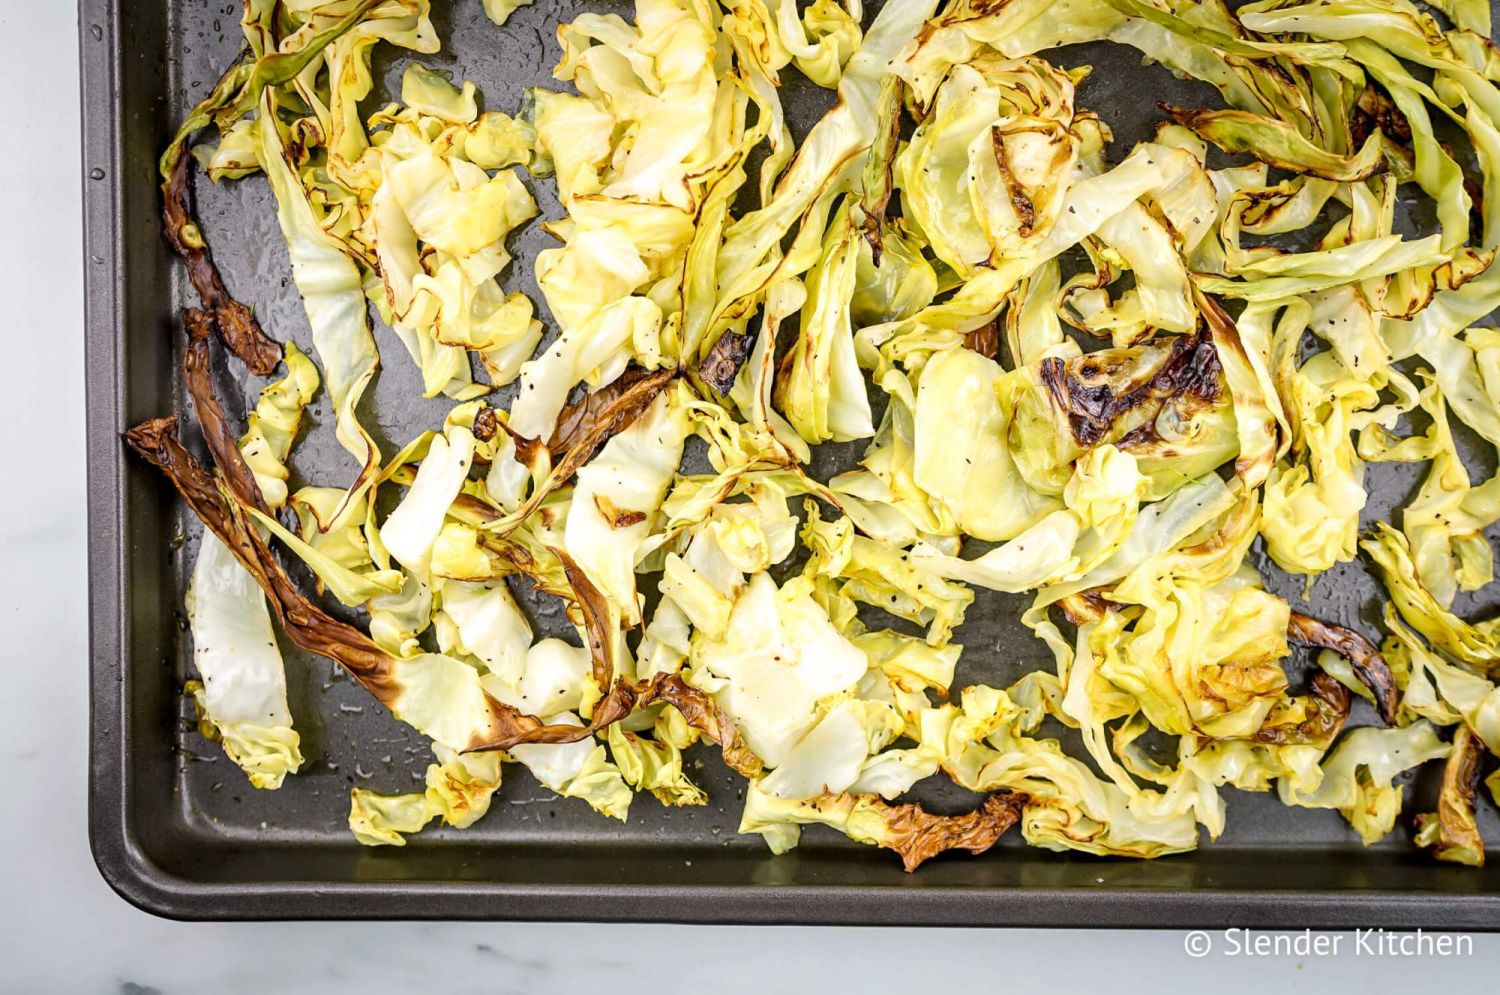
(176, 830)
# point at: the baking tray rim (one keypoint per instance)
(130, 872)
(147, 887)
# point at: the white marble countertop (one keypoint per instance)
(62, 930)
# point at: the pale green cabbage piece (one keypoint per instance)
(867, 570)
(342, 559)
(1357, 778)
(987, 744)
(617, 500)
(831, 151)
(1442, 692)
(460, 788)
(1445, 522)
(272, 425)
(1312, 510)
(596, 343)
(654, 765)
(241, 690)
(240, 694)
(997, 136)
(333, 296)
(823, 392)
(1476, 645)
(1040, 555)
(577, 770)
(499, 11)
(438, 223)
(1451, 833)
(963, 459)
(487, 625)
(832, 755)
(821, 39)
(346, 556)
(778, 657)
(411, 529)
